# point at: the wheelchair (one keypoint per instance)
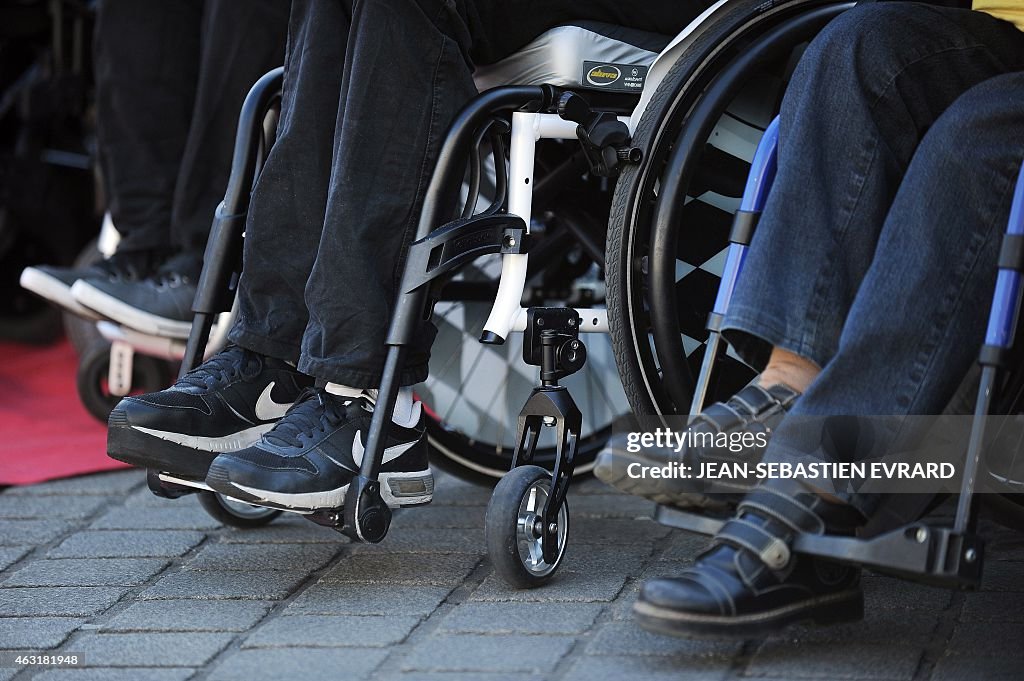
(932, 551)
(584, 111)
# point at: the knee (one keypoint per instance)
(860, 45)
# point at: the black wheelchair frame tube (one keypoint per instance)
(411, 303)
(679, 169)
(224, 245)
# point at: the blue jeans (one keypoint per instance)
(901, 137)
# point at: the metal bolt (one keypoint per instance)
(575, 345)
(540, 322)
(510, 242)
(921, 536)
(970, 555)
(572, 322)
(549, 421)
(552, 528)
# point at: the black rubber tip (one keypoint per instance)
(491, 338)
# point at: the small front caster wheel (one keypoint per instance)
(149, 374)
(236, 513)
(513, 527)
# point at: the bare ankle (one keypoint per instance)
(790, 369)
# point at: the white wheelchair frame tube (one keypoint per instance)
(507, 314)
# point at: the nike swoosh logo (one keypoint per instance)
(267, 409)
(390, 454)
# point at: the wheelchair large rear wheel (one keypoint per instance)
(671, 215)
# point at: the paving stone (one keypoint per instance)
(403, 568)
(622, 667)
(564, 586)
(7, 673)
(520, 618)
(260, 586)
(349, 664)
(440, 517)
(914, 627)
(1003, 576)
(458, 676)
(590, 486)
(32, 532)
(60, 601)
(10, 556)
(622, 606)
(367, 599)
(86, 572)
(626, 638)
(684, 546)
(450, 491)
(427, 540)
(285, 529)
(151, 649)
(126, 544)
(332, 631)
(992, 607)
(117, 484)
(123, 674)
(39, 507)
(617, 530)
(889, 592)
(960, 668)
(996, 639)
(36, 633)
(623, 506)
(827, 661)
(189, 615)
(607, 557)
(174, 516)
(471, 653)
(258, 557)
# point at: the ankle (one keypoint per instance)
(789, 369)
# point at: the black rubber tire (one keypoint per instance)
(149, 374)
(711, 48)
(501, 527)
(215, 505)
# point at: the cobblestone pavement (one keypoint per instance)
(151, 589)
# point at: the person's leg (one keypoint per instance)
(914, 327)
(865, 91)
(147, 62)
(862, 96)
(385, 147)
(240, 41)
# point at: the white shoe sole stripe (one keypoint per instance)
(335, 498)
(228, 443)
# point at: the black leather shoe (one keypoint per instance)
(749, 583)
(754, 410)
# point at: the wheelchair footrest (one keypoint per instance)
(928, 553)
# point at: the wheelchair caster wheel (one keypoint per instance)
(236, 513)
(149, 374)
(513, 527)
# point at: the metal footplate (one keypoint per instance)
(938, 555)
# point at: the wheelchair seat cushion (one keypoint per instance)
(585, 54)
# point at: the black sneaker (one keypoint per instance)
(160, 305)
(54, 283)
(307, 460)
(226, 403)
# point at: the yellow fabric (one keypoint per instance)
(1002, 9)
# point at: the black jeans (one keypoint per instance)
(370, 89)
(170, 80)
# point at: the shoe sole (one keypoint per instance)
(123, 313)
(843, 606)
(145, 450)
(55, 291)
(399, 490)
(612, 466)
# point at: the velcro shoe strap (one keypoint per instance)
(754, 399)
(722, 417)
(784, 508)
(783, 395)
(771, 550)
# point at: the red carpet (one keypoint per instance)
(47, 433)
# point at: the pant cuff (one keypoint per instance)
(753, 337)
(369, 379)
(269, 347)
